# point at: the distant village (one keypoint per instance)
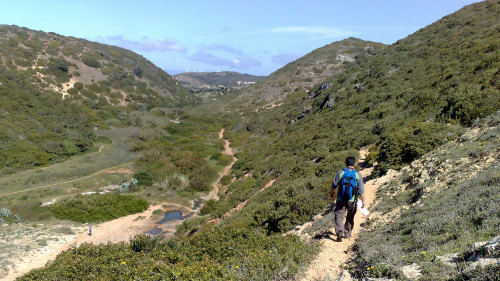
(244, 83)
(215, 88)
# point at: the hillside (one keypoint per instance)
(435, 89)
(304, 73)
(54, 89)
(402, 102)
(437, 214)
(71, 66)
(227, 79)
(427, 217)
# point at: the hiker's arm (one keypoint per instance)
(331, 193)
(361, 188)
(362, 196)
(335, 182)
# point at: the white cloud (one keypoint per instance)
(224, 56)
(323, 31)
(145, 44)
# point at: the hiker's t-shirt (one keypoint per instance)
(359, 179)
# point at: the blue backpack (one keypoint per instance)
(348, 187)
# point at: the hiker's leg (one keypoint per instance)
(339, 212)
(349, 222)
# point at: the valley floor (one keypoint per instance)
(30, 254)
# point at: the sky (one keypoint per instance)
(248, 36)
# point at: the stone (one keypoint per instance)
(345, 276)
(450, 259)
(411, 271)
(482, 249)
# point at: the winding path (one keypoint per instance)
(328, 263)
(228, 151)
(241, 205)
(70, 181)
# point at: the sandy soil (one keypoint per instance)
(22, 243)
(333, 254)
(118, 230)
(67, 86)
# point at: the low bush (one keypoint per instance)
(215, 254)
(91, 61)
(143, 178)
(402, 146)
(97, 208)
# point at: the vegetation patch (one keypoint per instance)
(215, 254)
(97, 208)
(447, 220)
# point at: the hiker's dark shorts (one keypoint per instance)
(339, 211)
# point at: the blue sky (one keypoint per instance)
(255, 37)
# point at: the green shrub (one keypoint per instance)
(402, 146)
(191, 225)
(468, 102)
(144, 243)
(72, 91)
(144, 178)
(78, 85)
(209, 207)
(91, 61)
(96, 207)
(215, 254)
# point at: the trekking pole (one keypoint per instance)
(340, 276)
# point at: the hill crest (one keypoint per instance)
(83, 70)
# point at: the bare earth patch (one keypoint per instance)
(22, 245)
(23, 251)
(120, 171)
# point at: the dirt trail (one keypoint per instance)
(241, 205)
(228, 151)
(70, 181)
(333, 254)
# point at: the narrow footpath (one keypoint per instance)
(328, 263)
(241, 205)
(214, 194)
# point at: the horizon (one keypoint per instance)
(255, 38)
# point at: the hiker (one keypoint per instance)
(90, 231)
(350, 187)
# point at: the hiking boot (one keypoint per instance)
(347, 235)
(339, 236)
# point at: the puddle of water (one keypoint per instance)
(156, 231)
(175, 215)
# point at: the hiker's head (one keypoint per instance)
(350, 161)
